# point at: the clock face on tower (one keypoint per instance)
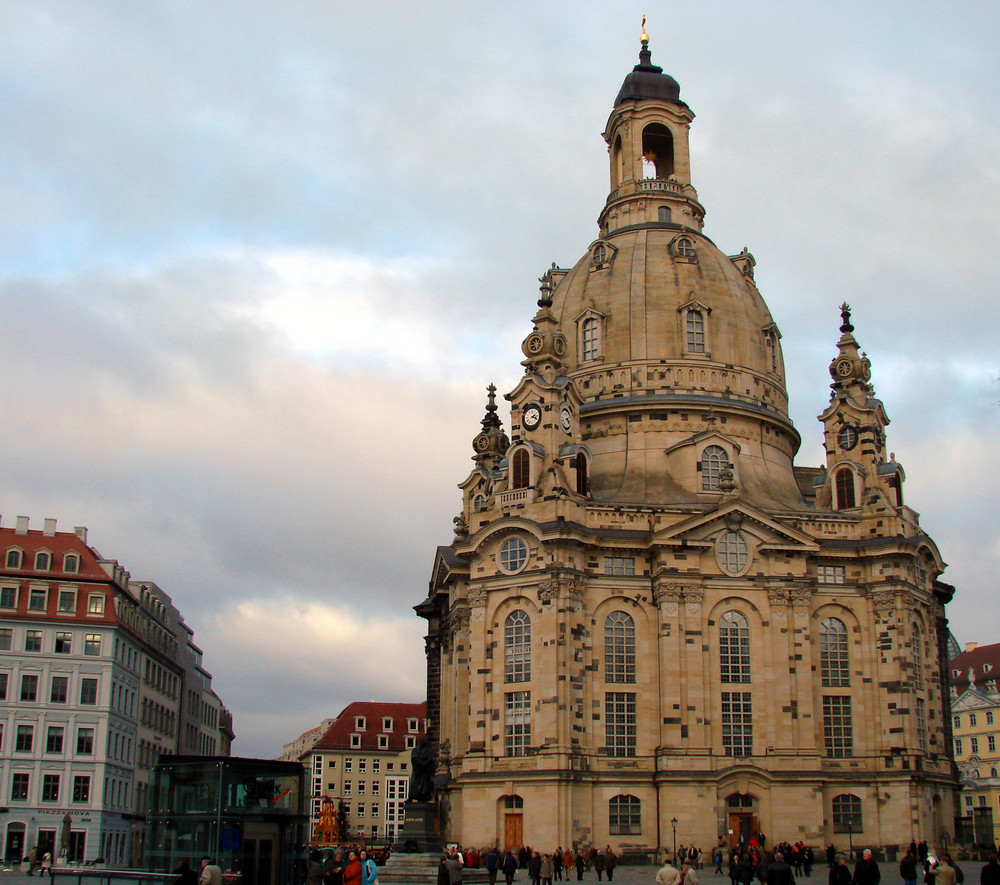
(532, 416)
(566, 419)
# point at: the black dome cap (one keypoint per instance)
(648, 81)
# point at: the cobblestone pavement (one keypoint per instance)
(624, 875)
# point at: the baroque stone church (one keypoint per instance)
(650, 625)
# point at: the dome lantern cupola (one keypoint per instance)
(647, 136)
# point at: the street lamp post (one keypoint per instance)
(673, 823)
(850, 836)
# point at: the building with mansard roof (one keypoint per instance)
(649, 616)
(96, 678)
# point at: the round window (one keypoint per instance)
(513, 555)
(733, 553)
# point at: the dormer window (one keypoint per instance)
(71, 563)
(694, 327)
(42, 562)
(383, 742)
(386, 723)
(714, 459)
(591, 339)
(845, 493)
(520, 474)
(683, 249)
(600, 254)
(360, 723)
(13, 559)
(355, 741)
(412, 725)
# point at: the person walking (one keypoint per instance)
(610, 862)
(369, 869)
(779, 872)
(509, 866)
(581, 865)
(866, 872)
(211, 872)
(990, 873)
(839, 873)
(908, 868)
(492, 862)
(546, 869)
(668, 874)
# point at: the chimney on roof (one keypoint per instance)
(22, 525)
(971, 646)
(81, 532)
(49, 529)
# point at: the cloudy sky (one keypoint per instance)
(259, 261)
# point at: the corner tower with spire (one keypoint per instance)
(646, 605)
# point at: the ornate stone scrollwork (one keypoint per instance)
(884, 603)
(800, 596)
(667, 596)
(477, 597)
(548, 590)
(777, 596)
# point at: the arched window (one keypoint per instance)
(71, 563)
(685, 248)
(734, 648)
(619, 648)
(657, 151)
(897, 489)
(600, 254)
(591, 345)
(833, 656)
(519, 470)
(624, 816)
(580, 462)
(618, 167)
(916, 658)
(695, 331)
(13, 559)
(517, 647)
(713, 460)
(844, 484)
(847, 814)
(42, 561)
(663, 213)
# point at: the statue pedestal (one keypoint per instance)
(417, 850)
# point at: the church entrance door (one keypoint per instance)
(742, 826)
(513, 831)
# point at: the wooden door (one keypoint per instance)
(513, 831)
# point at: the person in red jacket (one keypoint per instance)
(352, 871)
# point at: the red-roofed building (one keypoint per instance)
(95, 678)
(363, 761)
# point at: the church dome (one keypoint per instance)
(667, 298)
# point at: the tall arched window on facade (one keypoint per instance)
(916, 658)
(591, 348)
(844, 487)
(734, 648)
(713, 460)
(519, 470)
(624, 816)
(833, 654)
(619, 648)
(580, 463)
(695, 331)
(517, 647)
(847, 814)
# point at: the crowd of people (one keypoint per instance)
(542, 867)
